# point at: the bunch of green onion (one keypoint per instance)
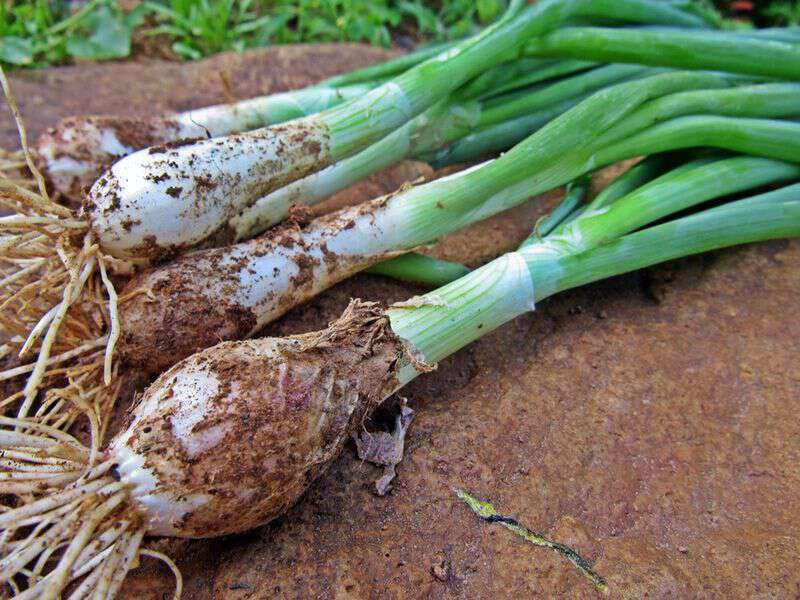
(562, 87)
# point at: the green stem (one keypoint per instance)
(771, 139)
(709, 230)
(549, 158)
(789, 35)
(679, 49)
(552, 156)
(505, 108)
(517, 74)
(762, 137)
(762, 100)
(423, 135)
(448, 122)
(498, 137)
(421, 269)
(389, 68)
(639, 174)
(574, 196)
(789, 193)
(685, 186)
(560, 152)
(283, 107)
(442, 321)
(433, 272)
(767, 100)
(690, 185)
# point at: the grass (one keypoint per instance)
(782, 13)
(37, 33)
(201, 27)
(774, 13)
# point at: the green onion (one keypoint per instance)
(573, 199)
(263, 278)
(75, 152)
(388, 68)
(563, 150)
(517, 74)
(639, 174)
(790, 35)
(712, 229)
(682, 188)
(633, 199)
(432, 272)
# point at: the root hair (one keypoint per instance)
(86, 536)
(59, 315)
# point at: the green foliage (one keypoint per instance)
(198, 28)
(35, 33)
(783, 13)
(202, 27)
(38, 33)
(336, 21)
(453, 18)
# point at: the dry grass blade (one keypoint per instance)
(488, 513)
(23, 137)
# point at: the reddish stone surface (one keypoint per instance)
(650, 421)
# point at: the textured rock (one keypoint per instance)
(650, 421)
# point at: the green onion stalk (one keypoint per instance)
(789, 35)
(769, 56)
(519, 74)
(562, 151)
(764, 54)
(496, 137)
(384, 70)
(745, 53)
(502, 122)
(74, 153)
(434, 272)
(639, 174)
(685, 187)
